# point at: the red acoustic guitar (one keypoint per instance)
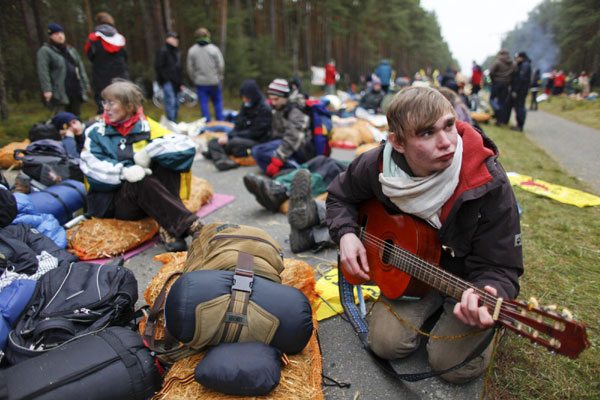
(403, 254)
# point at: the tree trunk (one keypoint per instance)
(3, 102)
(273, 25)
(88, 14)
(167, 13)
(41, 31)
(159, 23)
(223, 26)
(29, 19)
(148, 40)
(307, 38)
(250, 16)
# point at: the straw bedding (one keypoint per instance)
(300, 379)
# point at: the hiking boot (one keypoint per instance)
(516, 128)
(171, 243)
(224, 164)
(194, 229)
(22, 184)
(271, 194)
(301, 240)
(302, 212)
(251, 182)
(268, 192)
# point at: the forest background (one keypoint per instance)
(263, 39)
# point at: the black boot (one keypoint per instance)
(303, 211)
(171, 243)
(224, 164)
(301, 240)
(268, 192)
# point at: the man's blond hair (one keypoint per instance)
(415, 108)
(202, 33)
(125, 92)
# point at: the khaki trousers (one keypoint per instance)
(390, 339)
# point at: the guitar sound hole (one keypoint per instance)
(388, 249)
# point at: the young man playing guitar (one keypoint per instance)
(444, 172)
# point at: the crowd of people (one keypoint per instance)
(136, 168)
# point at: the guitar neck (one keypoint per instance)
(430, 274)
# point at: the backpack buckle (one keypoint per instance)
(243, 280)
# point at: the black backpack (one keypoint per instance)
(42, 130)
(47, 161)
(71, 302)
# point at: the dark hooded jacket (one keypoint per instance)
(253, 121)
(480, 231)
(502, 68)
(105, 48)
(168, 65)
(521, 78)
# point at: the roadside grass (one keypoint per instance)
(561, 248)
(22, 116)
(584, 112)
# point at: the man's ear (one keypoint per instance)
(396, 142)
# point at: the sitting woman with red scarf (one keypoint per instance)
(134, 168)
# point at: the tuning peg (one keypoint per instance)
(533, 302)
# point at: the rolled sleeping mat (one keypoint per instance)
(277, 314)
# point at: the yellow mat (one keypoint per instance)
(559, 193)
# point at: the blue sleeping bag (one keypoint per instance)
(47, 224)
(13, 300)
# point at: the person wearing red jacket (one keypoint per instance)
(447, 175)
(330, 77)
(559, 84)
(105, 48)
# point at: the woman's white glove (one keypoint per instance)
(142, 159)
(135, 173)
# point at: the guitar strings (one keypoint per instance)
(414, 263)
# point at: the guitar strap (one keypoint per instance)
(361, 327)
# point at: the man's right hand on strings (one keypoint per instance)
(353, 256)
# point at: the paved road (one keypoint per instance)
(574, 146)
(344, 359)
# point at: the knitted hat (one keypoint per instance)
(375, 80)
(61, 120)
(53, 28)
(173, 34)
(279, 87)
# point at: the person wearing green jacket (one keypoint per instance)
(63, 80)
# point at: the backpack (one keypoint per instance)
(231, 274)
(42, 130)
(47, 161)
(71, 302)
(320, 126)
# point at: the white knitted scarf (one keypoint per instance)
(420, 196)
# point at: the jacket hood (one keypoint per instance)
(106, 30)
(505, 58)
(251, 90)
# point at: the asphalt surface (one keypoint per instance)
(574, 146)
(344, 359)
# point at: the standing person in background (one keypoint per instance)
(330, 77)
(169, 73)
(584, 81)
(519, 87)
(206, 68)
(500, 73)
(536, 84)
(476, 81)
(384, 73)
(105, 48)
(61, 73)
(559, 84)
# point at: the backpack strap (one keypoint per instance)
(153, 314)
(243, 280)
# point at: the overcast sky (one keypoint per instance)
(474, 29)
